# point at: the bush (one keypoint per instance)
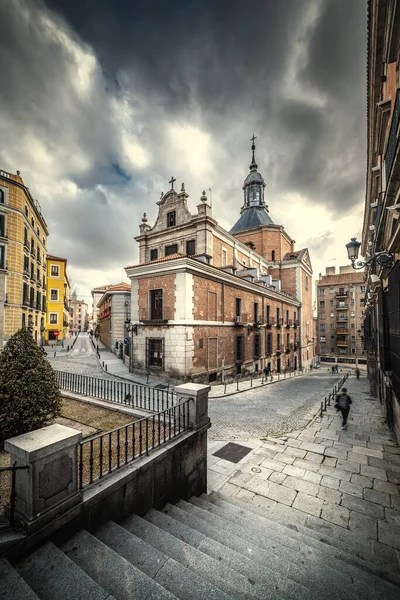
(29, 391)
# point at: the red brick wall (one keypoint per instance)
(164, 282)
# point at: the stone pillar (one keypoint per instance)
(198, 405)
(50, 487)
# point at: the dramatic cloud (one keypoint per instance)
(101, 102)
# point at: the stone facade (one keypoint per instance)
(381, 226)
(113, 312)
(340, 303)
(23, 240)
(78, 314)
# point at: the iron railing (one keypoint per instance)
(105, 453)
(393, 314)
(121, 392)
(13, 469)
(156, 314)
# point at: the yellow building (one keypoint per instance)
(23, 240)
(58, 291)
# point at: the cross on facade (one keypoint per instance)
(172, 181)
(253, 139)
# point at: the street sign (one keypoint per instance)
(126, 340)
(56, 333)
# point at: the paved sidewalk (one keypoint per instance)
(342, 484)
(116, 367)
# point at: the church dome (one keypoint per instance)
(254, 211)
(253, 177)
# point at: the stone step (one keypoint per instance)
(9, 538)
(336, 542)
(53, 576)
(208, 568)
(306, 571)
(272, 566)
(178, 580)
(12, 586)
(297, 550)
(111, 571)
(213, 542)
(187, 528)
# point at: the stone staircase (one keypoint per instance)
(213, 547)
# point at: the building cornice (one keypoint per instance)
(195, 267)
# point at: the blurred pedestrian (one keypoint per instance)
(342, 405)
(357, 372)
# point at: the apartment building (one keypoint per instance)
(381, 227)
(23, 240)
(58, 299)
(340, 321)
(113, 312)
(79, 317)
(207, 304)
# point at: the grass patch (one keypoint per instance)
(83, 416)
(111, 451)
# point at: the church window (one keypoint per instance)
(172, 249)
(273, 255)
(154, 254)
(171, 219)
(191, 247)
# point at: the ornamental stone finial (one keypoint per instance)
(144, 218)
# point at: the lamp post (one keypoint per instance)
(383, 258)
(131, 328)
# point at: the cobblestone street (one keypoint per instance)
(269, 410)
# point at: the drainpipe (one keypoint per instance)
(223, 332)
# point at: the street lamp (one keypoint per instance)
(383, 258)
(131, 328)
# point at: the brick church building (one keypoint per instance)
(209, 304)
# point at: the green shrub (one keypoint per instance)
(29, 391)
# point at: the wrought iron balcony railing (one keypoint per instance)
(157, 315)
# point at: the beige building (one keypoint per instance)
(23, 240)
(340, 320)
(79, 318)
(114, 310)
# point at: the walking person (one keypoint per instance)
(266, 372)
(357, 372)
(343, 402)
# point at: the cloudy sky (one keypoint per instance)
(101, 101)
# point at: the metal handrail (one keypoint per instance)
(109, 451)
(122, 392)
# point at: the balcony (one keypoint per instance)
(341, 306)
(342, 294)
(25, 301)
(344, 318)
(295, 324)
(289, 323)
(392, 139)
(279, 323)
(38, 284)
(164, 314)
(271, 321)
(342, 344)
(342, 331)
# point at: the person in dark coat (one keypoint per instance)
(342, 405)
